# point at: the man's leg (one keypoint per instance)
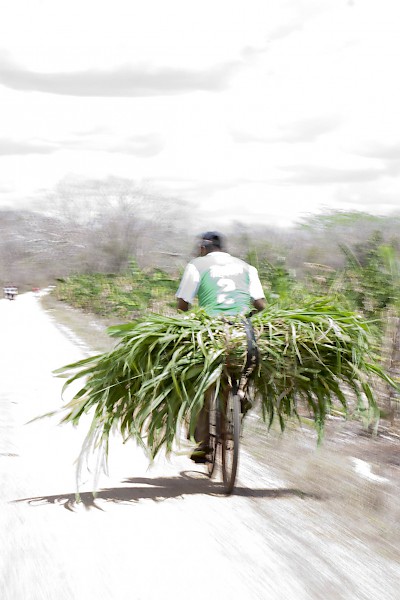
(202, 431)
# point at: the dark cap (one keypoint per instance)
(211, 238)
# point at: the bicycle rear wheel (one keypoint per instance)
(214, 433)
(230, 441)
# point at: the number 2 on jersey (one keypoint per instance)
(227, 285)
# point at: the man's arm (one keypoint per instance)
(183, 305)
(259, 304)
(187, 287)
(256, 291)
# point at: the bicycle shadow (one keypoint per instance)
(159, 489)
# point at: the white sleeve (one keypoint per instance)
(189, 284)
(256, 291)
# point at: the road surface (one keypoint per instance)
(150, 533)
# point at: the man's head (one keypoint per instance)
(210, 241)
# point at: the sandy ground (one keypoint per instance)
(302, 524)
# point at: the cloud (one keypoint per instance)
(10, 147)
(285, 29)
(311, 175)
(125, 81)
(193, 188)
(100, 140)
(369, 196)
(380, 150)
(302, 131)
(138, 145)
(99, 130)
(143, 145)
(297, 15)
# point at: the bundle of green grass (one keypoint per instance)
(155, 379)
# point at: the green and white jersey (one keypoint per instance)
(224, 284)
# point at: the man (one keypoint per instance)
(224, 285)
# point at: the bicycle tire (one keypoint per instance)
(230, 441)
(214, 433)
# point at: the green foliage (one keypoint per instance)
(335, 219)
(156, 377)
(278, 283)
(123, 296)
(369, 282)
(371, 276)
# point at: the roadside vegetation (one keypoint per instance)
(126, 296)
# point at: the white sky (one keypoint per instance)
(257, 110)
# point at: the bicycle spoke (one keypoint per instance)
(214, 434)
(230, 441)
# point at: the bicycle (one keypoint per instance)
(227, 409)
(224, 436)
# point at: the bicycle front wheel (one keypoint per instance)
(230, 441)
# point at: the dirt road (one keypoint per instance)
(167, 532)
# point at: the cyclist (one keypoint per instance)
(224, 285)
